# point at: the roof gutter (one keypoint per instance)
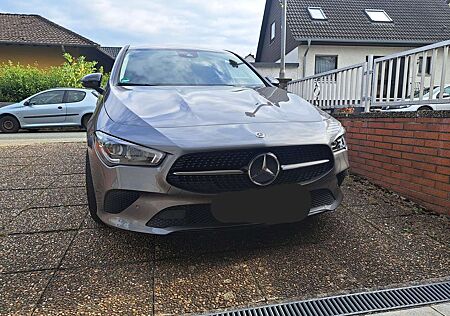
(12, 43)
(304, 59)
(373, 42)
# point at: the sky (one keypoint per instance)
(217, 24)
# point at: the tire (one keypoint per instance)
(424, 108)
(85, 120)
(341, 177)
(92, 202)
(9, 124)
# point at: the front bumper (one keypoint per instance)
(155, 195)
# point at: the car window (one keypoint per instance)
(171, 67)
(49, 97)
(426, 92)
(447, 90)
(75, 96)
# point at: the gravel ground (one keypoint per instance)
(55, 260)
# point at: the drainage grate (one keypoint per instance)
(355, 304)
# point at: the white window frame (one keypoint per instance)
(323, 18)
(273, 31)
(369, 11)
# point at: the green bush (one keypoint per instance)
(18, 82)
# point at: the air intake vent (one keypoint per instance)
(355, 304)
(117, 201)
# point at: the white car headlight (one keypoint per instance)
(336, 133)
(115, 151)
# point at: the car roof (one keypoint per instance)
(143, 47)
(69, 89)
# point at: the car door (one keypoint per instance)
(45, 108)
(75, 105)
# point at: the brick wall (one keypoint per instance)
(406, 152)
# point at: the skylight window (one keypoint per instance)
(317, 13)
(378, 16)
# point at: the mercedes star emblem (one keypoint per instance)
(264, 169)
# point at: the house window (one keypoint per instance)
(325, 63)
(427, 66)
(378, 16)
(316, 13)
(272, 31)
(447, 93)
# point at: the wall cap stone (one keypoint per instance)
(427, 114)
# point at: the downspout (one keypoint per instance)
(304, 58)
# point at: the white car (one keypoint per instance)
(49, 108)
(423, 107)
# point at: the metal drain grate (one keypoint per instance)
(355, 304)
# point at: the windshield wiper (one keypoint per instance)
(131, 84)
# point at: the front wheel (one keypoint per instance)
(92, 202)
(85, 120)
(424, 108)
(9, 124)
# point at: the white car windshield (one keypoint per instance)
(174, 67)
(436, 90)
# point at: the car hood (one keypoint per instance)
(210, 119)
(9, 107)
(169, 107)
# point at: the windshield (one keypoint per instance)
(426, 92)
(173, 67)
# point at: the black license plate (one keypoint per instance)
(274, 205)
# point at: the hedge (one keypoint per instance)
(18, 82)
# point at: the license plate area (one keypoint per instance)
(273, 205)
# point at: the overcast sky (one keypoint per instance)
(221, 24)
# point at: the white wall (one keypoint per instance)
(273, 70)
(347, 55)
(351, 55)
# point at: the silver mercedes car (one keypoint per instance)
(186, 139)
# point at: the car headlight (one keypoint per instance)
(339, 144)
(336, 133)
(115, 151)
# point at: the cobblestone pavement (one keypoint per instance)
(55, 260)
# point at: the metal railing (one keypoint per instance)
(417, 76)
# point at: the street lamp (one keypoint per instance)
(282, 78)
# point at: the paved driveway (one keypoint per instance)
(55, 260)
(34, 137)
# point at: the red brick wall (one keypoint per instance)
(409, 155)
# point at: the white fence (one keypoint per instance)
(405, 78)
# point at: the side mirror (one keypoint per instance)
(446, 95)
(273, 81)
(93, 81)
(27, 103)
